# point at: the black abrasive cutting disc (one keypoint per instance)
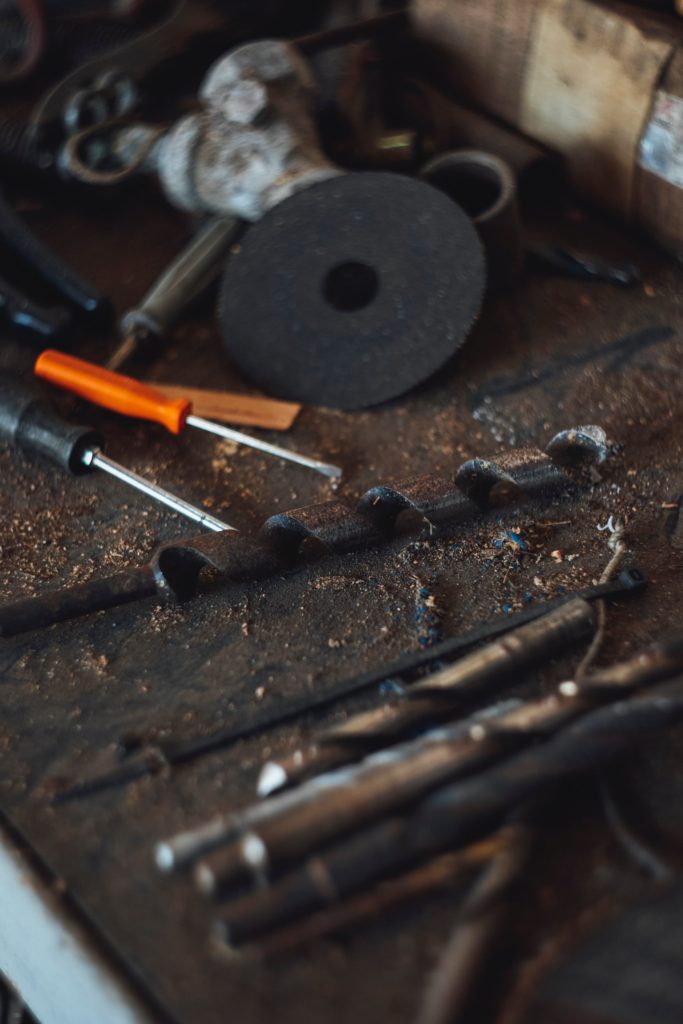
(352, 291)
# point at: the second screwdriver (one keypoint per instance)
(30, 424)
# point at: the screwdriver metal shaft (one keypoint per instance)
(326, 468)
(94, 457)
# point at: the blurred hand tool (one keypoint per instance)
(454, 815)
(335, 527)
(19, 242)
(28, 319)
(29, 423)
(187, 276)
(132, 398)
(134, 59)
(252, 142)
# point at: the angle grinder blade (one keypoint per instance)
(352, 291)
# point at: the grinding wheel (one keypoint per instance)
(352, 291)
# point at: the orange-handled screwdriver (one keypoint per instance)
(112, 390)
(133, 398)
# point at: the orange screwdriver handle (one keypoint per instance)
(112, 390)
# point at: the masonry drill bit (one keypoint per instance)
(177, 852)
(439, 695)
(31, 425)
(181, 850)
(438, 873)
(454, 815)
(300, 820)
(132, 398)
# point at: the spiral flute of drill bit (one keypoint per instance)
(344, 800)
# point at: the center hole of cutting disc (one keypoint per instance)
(350, 286)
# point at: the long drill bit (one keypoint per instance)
(440, 872)
(337, 527)
(304, 819)
(338, 745)
(439, 695)
(183, 849)
(157, 755)
(521, 649)
(454, 815)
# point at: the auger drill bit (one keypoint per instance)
(173, 572)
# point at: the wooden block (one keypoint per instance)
(486, 43)
(587, 91)
(228, 407)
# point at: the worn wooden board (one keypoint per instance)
(230, 407)
(551, 353)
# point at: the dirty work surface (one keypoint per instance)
(553, 353)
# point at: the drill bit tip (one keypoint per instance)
(273, 777)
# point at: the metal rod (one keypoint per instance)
(263, 446)
(454, 815)
(450, 989)
(435, 874)
(93, 457)
(181, 850)
(438, 696)
(301, 820)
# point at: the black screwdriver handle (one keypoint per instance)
(19, 241)
(29, 423)
(30, 320)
